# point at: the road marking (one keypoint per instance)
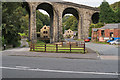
(22, 67)
(60, 71)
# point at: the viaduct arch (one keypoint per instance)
(57, 10)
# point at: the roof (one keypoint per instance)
(111, 26)
(95, 29)
(75, 32)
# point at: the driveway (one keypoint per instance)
(70, 40)
(104, 49)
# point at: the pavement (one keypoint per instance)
(104, 49)
(25, 52)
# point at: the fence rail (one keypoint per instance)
(80, 47)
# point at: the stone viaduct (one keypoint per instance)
(57, 10)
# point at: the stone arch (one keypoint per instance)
(59, 9)
(50, 10)
(71, 10)
(78, 16)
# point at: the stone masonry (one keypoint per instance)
(57, 10)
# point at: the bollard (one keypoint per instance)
(4, 46)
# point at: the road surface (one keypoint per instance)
(41, 67)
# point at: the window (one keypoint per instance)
(38, 35)
(111, 34)
(46, 32)
(45, 36)
(102, 33)
(43, 32)
(68, 31)
(44, 27)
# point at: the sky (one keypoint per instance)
(92, 3)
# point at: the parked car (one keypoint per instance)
(117, 41)
(112, 39)
(87, 40)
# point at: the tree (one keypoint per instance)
(13, 21)
(118, 16)
(41, 20)
(107, 15)
(98, 25)
(70, 22)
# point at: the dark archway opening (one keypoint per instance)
(70, 23)
(95, 18)
(44, 23)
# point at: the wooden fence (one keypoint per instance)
(57, 48)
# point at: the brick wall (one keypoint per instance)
(116, 33)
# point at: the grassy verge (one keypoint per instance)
(80, 40)
(40, 47)
(101, 42)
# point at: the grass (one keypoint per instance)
(101, 42)
(40, 47)
(80, 40)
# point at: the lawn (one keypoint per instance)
(101, 42)
(40, 47)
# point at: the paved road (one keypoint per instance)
(41, 67)
(104, 49)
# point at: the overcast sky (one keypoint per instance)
(93, 3)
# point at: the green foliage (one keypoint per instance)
(22, 34)
(70, 22)
(41, 20)
(107, 15)
(13, 21)
(98, 25)
(115, 6)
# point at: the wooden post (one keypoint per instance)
(84, 47)
(45, 47)
(56, 48)
(70, 48)
(76, 44)
(62, 43)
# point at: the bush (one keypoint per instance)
(98, 25)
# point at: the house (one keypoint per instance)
(69, 33)
(106, 32)
(44, 32)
